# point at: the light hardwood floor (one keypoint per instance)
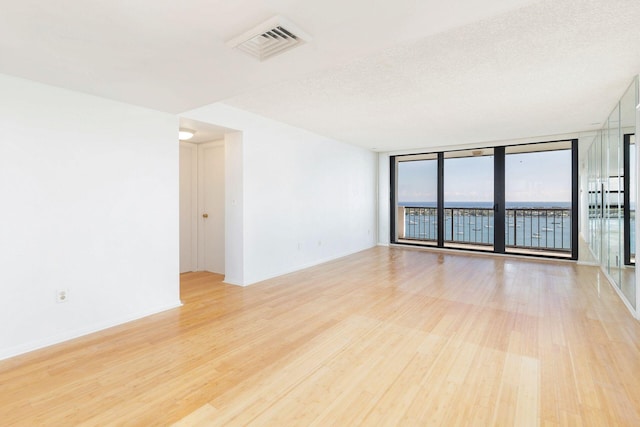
(388, 336)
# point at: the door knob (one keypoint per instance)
(205, 215)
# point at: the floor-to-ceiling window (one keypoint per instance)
(468, 199)
(417, 198)
(513, 199)
(538, 188)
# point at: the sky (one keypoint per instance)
(530, 177)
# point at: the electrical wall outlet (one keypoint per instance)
(62, 295)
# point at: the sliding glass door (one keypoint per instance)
(417, 196)
(468, 199)
(538, 184)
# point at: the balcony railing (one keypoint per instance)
(538, 229)
(526, 228)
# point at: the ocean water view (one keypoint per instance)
(531, 225)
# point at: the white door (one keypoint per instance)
(188, 207)
(211, 207)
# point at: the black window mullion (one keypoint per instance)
(392, 199)
(574, 199)
(627, 200)
(499, 200)
(440, 204)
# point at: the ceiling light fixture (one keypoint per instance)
(185, 134)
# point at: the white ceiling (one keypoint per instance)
(387, 75)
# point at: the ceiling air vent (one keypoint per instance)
(270, 38)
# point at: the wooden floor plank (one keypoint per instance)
(388, 336)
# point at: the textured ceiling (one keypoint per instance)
(388, 75)
(551, 68)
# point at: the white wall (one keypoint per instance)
(294, 198)
(188, 207)
(89, 194)
(234, 209)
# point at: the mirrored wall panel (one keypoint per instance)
(611, 171)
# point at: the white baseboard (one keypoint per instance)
(635, 313)
(60, 338)
(307, 265)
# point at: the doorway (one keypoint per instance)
(202, 219)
